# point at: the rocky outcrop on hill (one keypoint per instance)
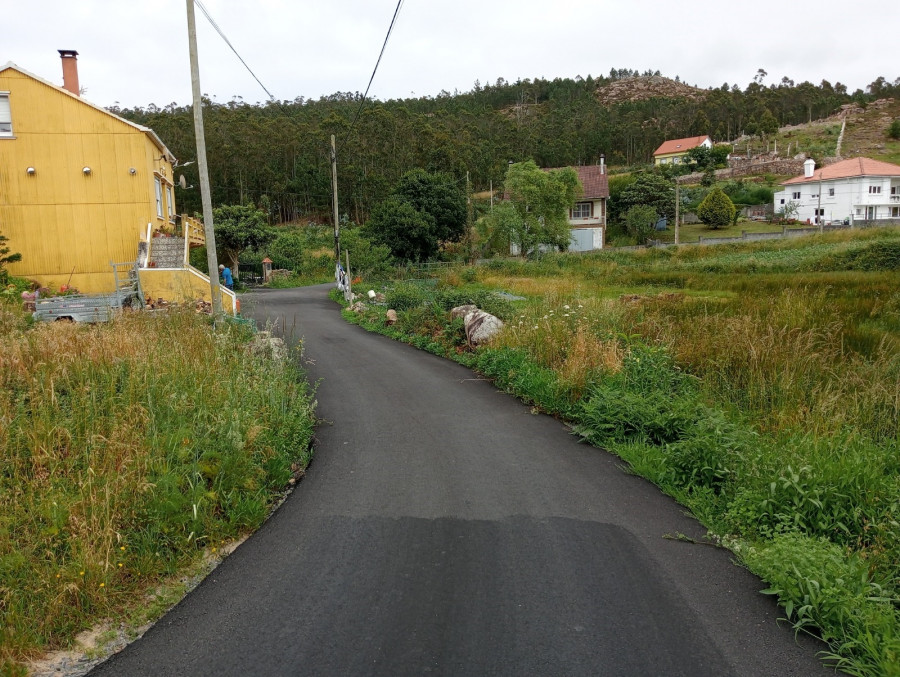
(646, 87)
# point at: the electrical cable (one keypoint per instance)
(375, 70)
(228, 42)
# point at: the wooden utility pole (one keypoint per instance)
(677, 209)
(212, 261)
(470, 236)
(334, 204)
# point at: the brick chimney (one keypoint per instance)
(70, 70)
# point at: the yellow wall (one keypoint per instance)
(60, 219)
(668, 157)
(178, 284)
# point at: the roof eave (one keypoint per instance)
(149, 132)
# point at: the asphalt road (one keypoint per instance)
(444, 529)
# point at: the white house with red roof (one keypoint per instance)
(675, 150)
(859, 189)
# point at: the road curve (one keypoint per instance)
(444, 529)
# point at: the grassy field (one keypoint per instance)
(757, 383)
(129, 451)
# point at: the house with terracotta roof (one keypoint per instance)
(859, 189)
(587, 218)
(675, 150)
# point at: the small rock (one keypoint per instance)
(390, 317)
(371, 294)
(358, 307)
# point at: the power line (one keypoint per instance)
(375, 70)
(228, 42)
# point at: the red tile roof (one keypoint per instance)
(680, 145)
(594, 182)
(845, 169)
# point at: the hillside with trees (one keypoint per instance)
(276, 155)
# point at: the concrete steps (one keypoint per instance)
(167, 252)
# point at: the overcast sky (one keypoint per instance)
(134, 52)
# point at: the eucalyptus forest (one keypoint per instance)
(276, 155)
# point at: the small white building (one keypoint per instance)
(860, 189)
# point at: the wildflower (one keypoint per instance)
(566, 315)
(120, 564)
(566, 307)
(121, 547)
(81, 573)
(57, 575)
(103, 585)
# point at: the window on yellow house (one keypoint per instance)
(159, 208)
(5, 115)
(170, 201)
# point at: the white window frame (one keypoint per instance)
(895, 212)
(6, 128)
(874, 190)
(170, 200)
(159, 206)
(578, 209)
(831, 192)
(795, 195)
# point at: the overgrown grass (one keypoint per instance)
(759, 384)
(127, 450)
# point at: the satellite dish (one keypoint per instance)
(182, 182)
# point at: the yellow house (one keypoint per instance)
(674, 151)
(81, 188)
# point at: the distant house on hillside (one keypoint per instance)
(674, 151)
(81, 188)
(587, 218)
(859, 189)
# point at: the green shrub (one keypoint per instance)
(894, 130)
(406, 295)
(286, 250)
(640, 222)
(832, 594)
(717, 210)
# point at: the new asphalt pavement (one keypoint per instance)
(445, 529)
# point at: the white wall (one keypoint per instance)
(850, 200)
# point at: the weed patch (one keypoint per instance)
(128, 448)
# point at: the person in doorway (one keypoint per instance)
(227, 279)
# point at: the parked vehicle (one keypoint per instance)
(95, 307)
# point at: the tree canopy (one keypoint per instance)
(239, 227)
(407, 232)
(650, 189)
(537, 209)
(425, 210)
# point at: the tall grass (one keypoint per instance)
(127, 449)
